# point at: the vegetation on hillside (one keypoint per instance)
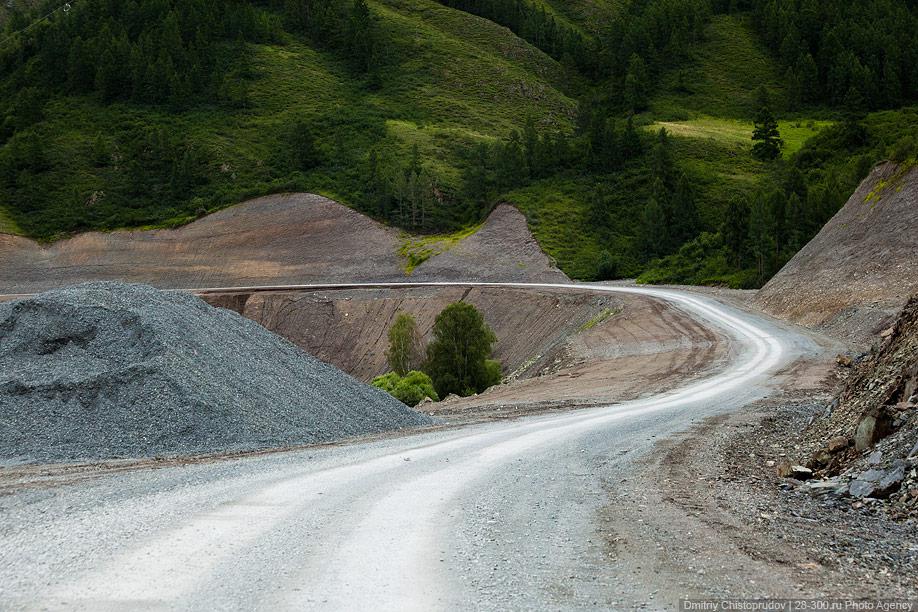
(626, 140)
(458, 358)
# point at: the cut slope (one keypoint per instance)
(113, 370)
(862, 267)
(285, 239)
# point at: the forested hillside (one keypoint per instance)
(623, 130)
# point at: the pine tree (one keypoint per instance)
(776, 203)
(652, 237)
(766, 137)
(795, 221)
(760, 237)
(637, 84)
(735, 231)
(631, 141)
(477, 180)
(684, 224)
(808, 78)
(530, 148)
(663, 166)
(359, 37)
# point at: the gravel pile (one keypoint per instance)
(106, 370)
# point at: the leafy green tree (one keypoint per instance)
(458, 355)
(405, 352)
(766, 137)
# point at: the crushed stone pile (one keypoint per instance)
(866, 440)
(109, 370)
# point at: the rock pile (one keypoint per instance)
(113, 370)
(865, 443)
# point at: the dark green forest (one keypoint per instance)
(121, 113)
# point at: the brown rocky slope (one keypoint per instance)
(280, 239)
(858, 272)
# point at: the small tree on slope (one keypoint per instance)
(404, 353)
(458, 356)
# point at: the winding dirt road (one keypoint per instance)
(501, 515)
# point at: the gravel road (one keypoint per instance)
(496, 516)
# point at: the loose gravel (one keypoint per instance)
(110, 370)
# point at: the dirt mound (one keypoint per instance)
(856, 274)
(114, 370)
(282, 239)
(869, 433)
(503, 249)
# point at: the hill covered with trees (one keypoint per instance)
(622, 130)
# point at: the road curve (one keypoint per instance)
(501, 515)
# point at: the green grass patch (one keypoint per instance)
(7, 224)
(736, 134)
(604, 315)
(416, 250)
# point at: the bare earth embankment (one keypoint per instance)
(280, 240)
(857, 273)
(560, 349)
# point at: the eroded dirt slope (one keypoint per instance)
(857, 273)
(280, 239)
(558, 348)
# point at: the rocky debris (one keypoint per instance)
(872, 427)
(786, 469)
(862, 446)
(107, 370)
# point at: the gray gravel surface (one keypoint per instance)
(107, 370)
(505, 515)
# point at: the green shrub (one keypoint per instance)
(410, 389)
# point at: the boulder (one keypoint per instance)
(874, 426)
(878, 483)
(838, 444)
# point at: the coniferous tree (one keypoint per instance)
(530, 148)
(761, 242)
(735, 231)
(359, 37)
(766, 137)
(685, 223)
(652, 236)
(637, 84)
(795, 221)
